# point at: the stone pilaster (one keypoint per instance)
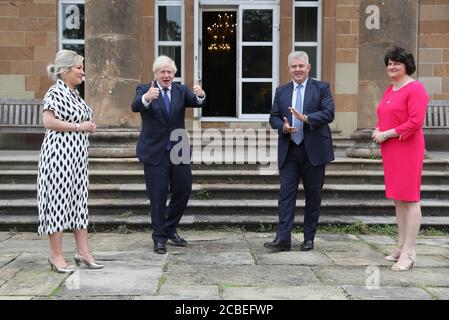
(383, 24)
(113, 69)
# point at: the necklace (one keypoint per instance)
(391, 96)
(401, 84)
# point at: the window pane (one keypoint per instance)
(170, 23)
(257, 62)
(306, 23)
(257, 25)
(72, 21)
(173, 52)
(311, 52)
(256, 97)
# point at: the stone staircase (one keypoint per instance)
(223, 194)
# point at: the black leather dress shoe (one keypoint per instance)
(278, 245)
(159, 247)
(177, 240)
(307, 245)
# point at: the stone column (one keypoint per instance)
(382, 24)
(113, 69)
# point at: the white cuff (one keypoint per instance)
(146, 104)
(200, 100)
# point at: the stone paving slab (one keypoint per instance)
(35, 281)
(145, 254)
(119, 242)
(284, 293)
(358, 258)
(439, 293)
(378, 239)
(240, 275)
(359, 276)
(5, 235)
(340, 237)
(129, 278)
(224, 258)
(421, 250)
(386, 293)
(308, 258)
(335, 246)
(7, 273)
(212, 246)
(6, 258)
(191, 292)
(13, 245)
(16, 297)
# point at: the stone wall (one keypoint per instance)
(28, 42)
(434, 47)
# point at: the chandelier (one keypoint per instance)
(221, 32)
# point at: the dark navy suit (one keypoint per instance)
(306, 161)
(153, 149)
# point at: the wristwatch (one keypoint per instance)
(77, 125)
(306, 119)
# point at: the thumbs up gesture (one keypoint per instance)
(152, 93)
(197, 90)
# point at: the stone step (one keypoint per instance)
(131, 207)
(227, 191)
(342, 164)
(105, 222)
(226, 177)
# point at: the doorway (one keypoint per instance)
(219, 63)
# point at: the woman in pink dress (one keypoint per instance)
(401, 114)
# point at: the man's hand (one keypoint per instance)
(298, 115)
(198, 91)
(152, 93)
(287, 128)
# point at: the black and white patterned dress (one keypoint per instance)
(63, 177)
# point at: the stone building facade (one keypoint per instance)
(121, 38)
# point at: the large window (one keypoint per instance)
(71, 28)
(307, 32)
(170, 33)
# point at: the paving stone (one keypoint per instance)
(421, 250)
(386, 293)
(284, 293)
(342, 246)
(431, 261)
(37, 280)
(361, 276)
(361, 258)
(440, 293)
(378, 239)
(145, 254)
(308, 258)
(16, 297)
(190, 292)
(335, 237)
(238, 258)
(5, 235)
(6, 273)
(126, 278)
(240, 275)
(6, 258)
(217, 246)
(119, 242)
(40, 245)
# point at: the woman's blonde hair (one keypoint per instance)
(64, 60)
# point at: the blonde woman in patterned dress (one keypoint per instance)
(62, 182)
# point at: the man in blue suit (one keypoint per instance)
(162, 104)
(301, 112)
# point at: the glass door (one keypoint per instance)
(258, 60)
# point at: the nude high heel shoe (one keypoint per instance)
(58, 269)
(409, 266)
(90, 264)
(394, 255)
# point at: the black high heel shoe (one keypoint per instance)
(58, 269)
(90, 264)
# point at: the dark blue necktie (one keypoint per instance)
(166, 100)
